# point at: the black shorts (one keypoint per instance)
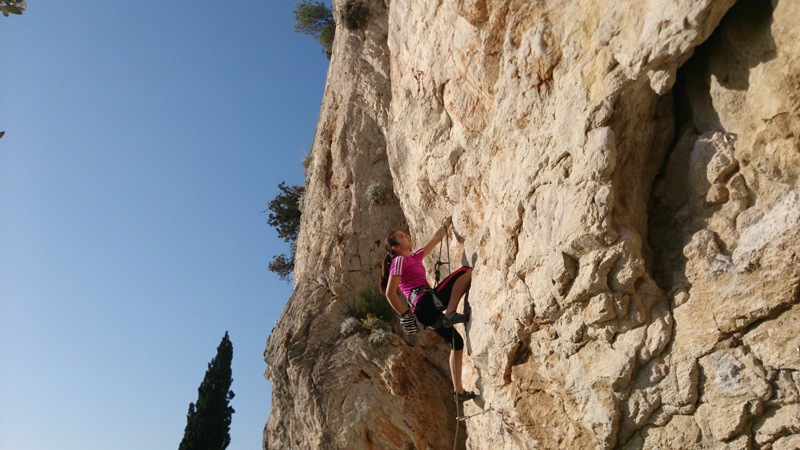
(430, 316)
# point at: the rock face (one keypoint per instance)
(623, 176)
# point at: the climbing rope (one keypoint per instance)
(439, 263)
(445, 240)
(455, 439)
(437, 276)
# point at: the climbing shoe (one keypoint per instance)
(454, 318)
(464, 396)
(409, 323)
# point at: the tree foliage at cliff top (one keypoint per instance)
(316, 20)
(12, 7)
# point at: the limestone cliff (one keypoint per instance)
(624, 177)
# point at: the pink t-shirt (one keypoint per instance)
(410, 270)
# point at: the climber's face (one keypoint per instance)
(404, 243)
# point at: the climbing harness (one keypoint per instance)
(420, 291)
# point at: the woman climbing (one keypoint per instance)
(403, 269)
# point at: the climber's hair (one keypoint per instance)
(389, 242)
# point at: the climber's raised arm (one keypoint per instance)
(438, 236)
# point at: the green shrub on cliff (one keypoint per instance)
(285, 217)
(355, 14)
(369, 302)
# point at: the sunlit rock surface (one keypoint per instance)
(623, 176)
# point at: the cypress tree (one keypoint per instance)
(208, 422)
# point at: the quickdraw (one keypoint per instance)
(439, 263)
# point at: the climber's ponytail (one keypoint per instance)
(388, 243)
(387, 263)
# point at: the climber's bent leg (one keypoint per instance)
(452, 288)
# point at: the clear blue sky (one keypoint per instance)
(143, 141)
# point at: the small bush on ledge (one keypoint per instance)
(380, 337)
(374, 323)
(368, 312)
(350, 326)
(379, 194)
(355, 14)
(369, 302)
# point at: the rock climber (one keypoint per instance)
(403, 269)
